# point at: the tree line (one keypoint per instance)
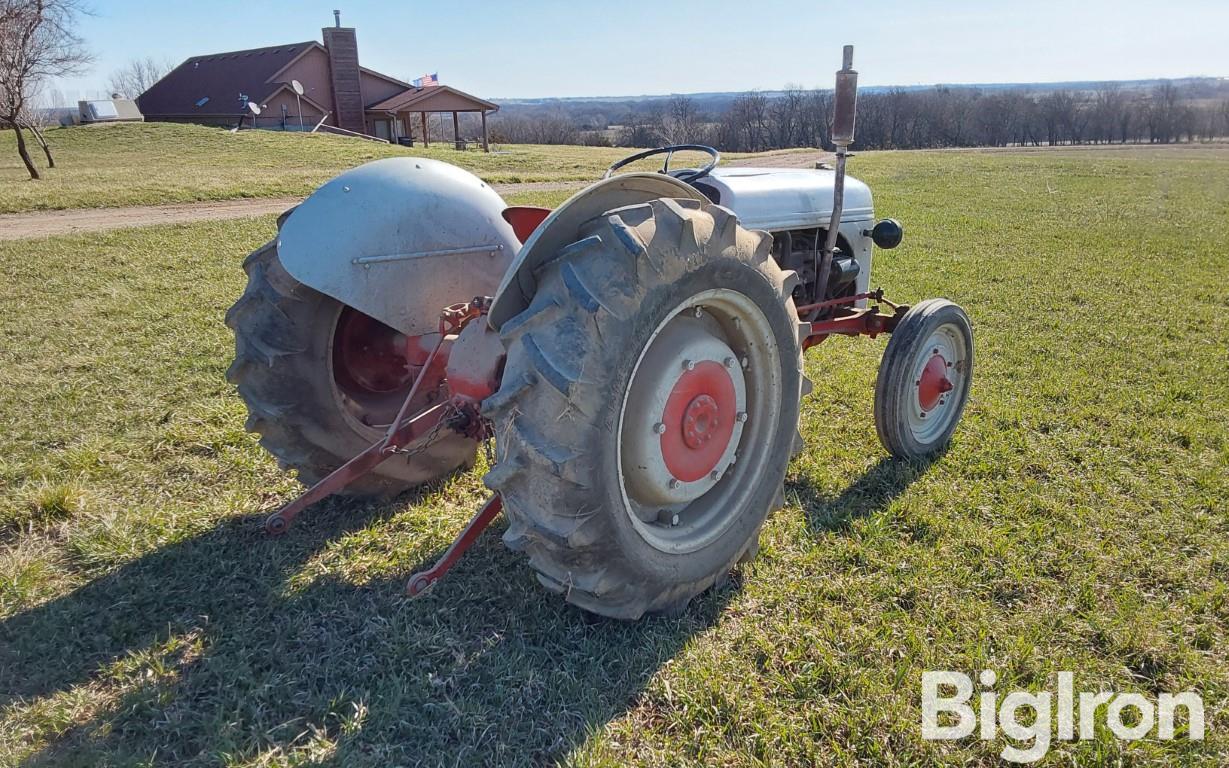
(901, 119)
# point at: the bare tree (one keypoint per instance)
(36, 43)
(135, 77)
(679, 121)
(35, 117)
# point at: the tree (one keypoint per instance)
(36, 43)
(680, 123)
(135, 77)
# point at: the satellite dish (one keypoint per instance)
(254, 107)
(297, 86)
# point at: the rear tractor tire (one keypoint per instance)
(649, 407)
(924, 380)
(310, 414)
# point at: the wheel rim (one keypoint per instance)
(373, 368)
(698, 420)
(939, 377)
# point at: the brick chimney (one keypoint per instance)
(342, 45)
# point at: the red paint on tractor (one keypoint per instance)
(699, 419)
(475, 363)
(525, 219)
(419, 582)
(369, 356)
(418, 348)
(934, 382)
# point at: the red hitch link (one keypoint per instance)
(419, 582)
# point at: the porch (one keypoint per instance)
(395, 117)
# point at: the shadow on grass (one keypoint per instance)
(873, 491)
(228, 648)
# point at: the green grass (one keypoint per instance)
(155, 163)
(1078, 522)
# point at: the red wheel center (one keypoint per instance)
(934, 383)
(699, 418)
(699, 421)
(369, 356)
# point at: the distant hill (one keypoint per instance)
(1212, 84)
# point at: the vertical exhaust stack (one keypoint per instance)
(843, 119)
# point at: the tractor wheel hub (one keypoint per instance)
(368, 356)
(934, 383)
(700, 421)
(681, 424)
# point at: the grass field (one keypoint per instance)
(1078, 522)
(154, 163)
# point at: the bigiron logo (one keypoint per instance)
(1028, 719)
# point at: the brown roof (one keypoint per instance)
(220, 77)
(419, 100)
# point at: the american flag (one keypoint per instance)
(427, 81)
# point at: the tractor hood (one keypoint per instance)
(400, 239)
(786, 198)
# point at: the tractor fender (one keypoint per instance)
(560, 227)
(399, 239)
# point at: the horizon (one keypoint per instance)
(1046, 84)
(577, 53)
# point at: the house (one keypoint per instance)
(338, 93)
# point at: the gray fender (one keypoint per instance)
(560, 228)
(400, 239)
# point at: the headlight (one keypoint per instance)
(887, 233)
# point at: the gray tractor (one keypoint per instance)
(635, 354)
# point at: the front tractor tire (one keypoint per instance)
(313, 407)
(924, 380)
(648, 408)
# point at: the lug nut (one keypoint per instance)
(729, 362)
(660, 428)
(714, 475)
(689, 365)
(742, 416)
(674, 520)
(674, 484)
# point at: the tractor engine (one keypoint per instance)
(795, 206)
(800, 250)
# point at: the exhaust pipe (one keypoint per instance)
(843, 116)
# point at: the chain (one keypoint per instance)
(425, 443)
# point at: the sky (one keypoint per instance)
(544, 48)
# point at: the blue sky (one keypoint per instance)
(534, 48)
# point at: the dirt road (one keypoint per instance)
(17, 226)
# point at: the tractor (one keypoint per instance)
(635, 355)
